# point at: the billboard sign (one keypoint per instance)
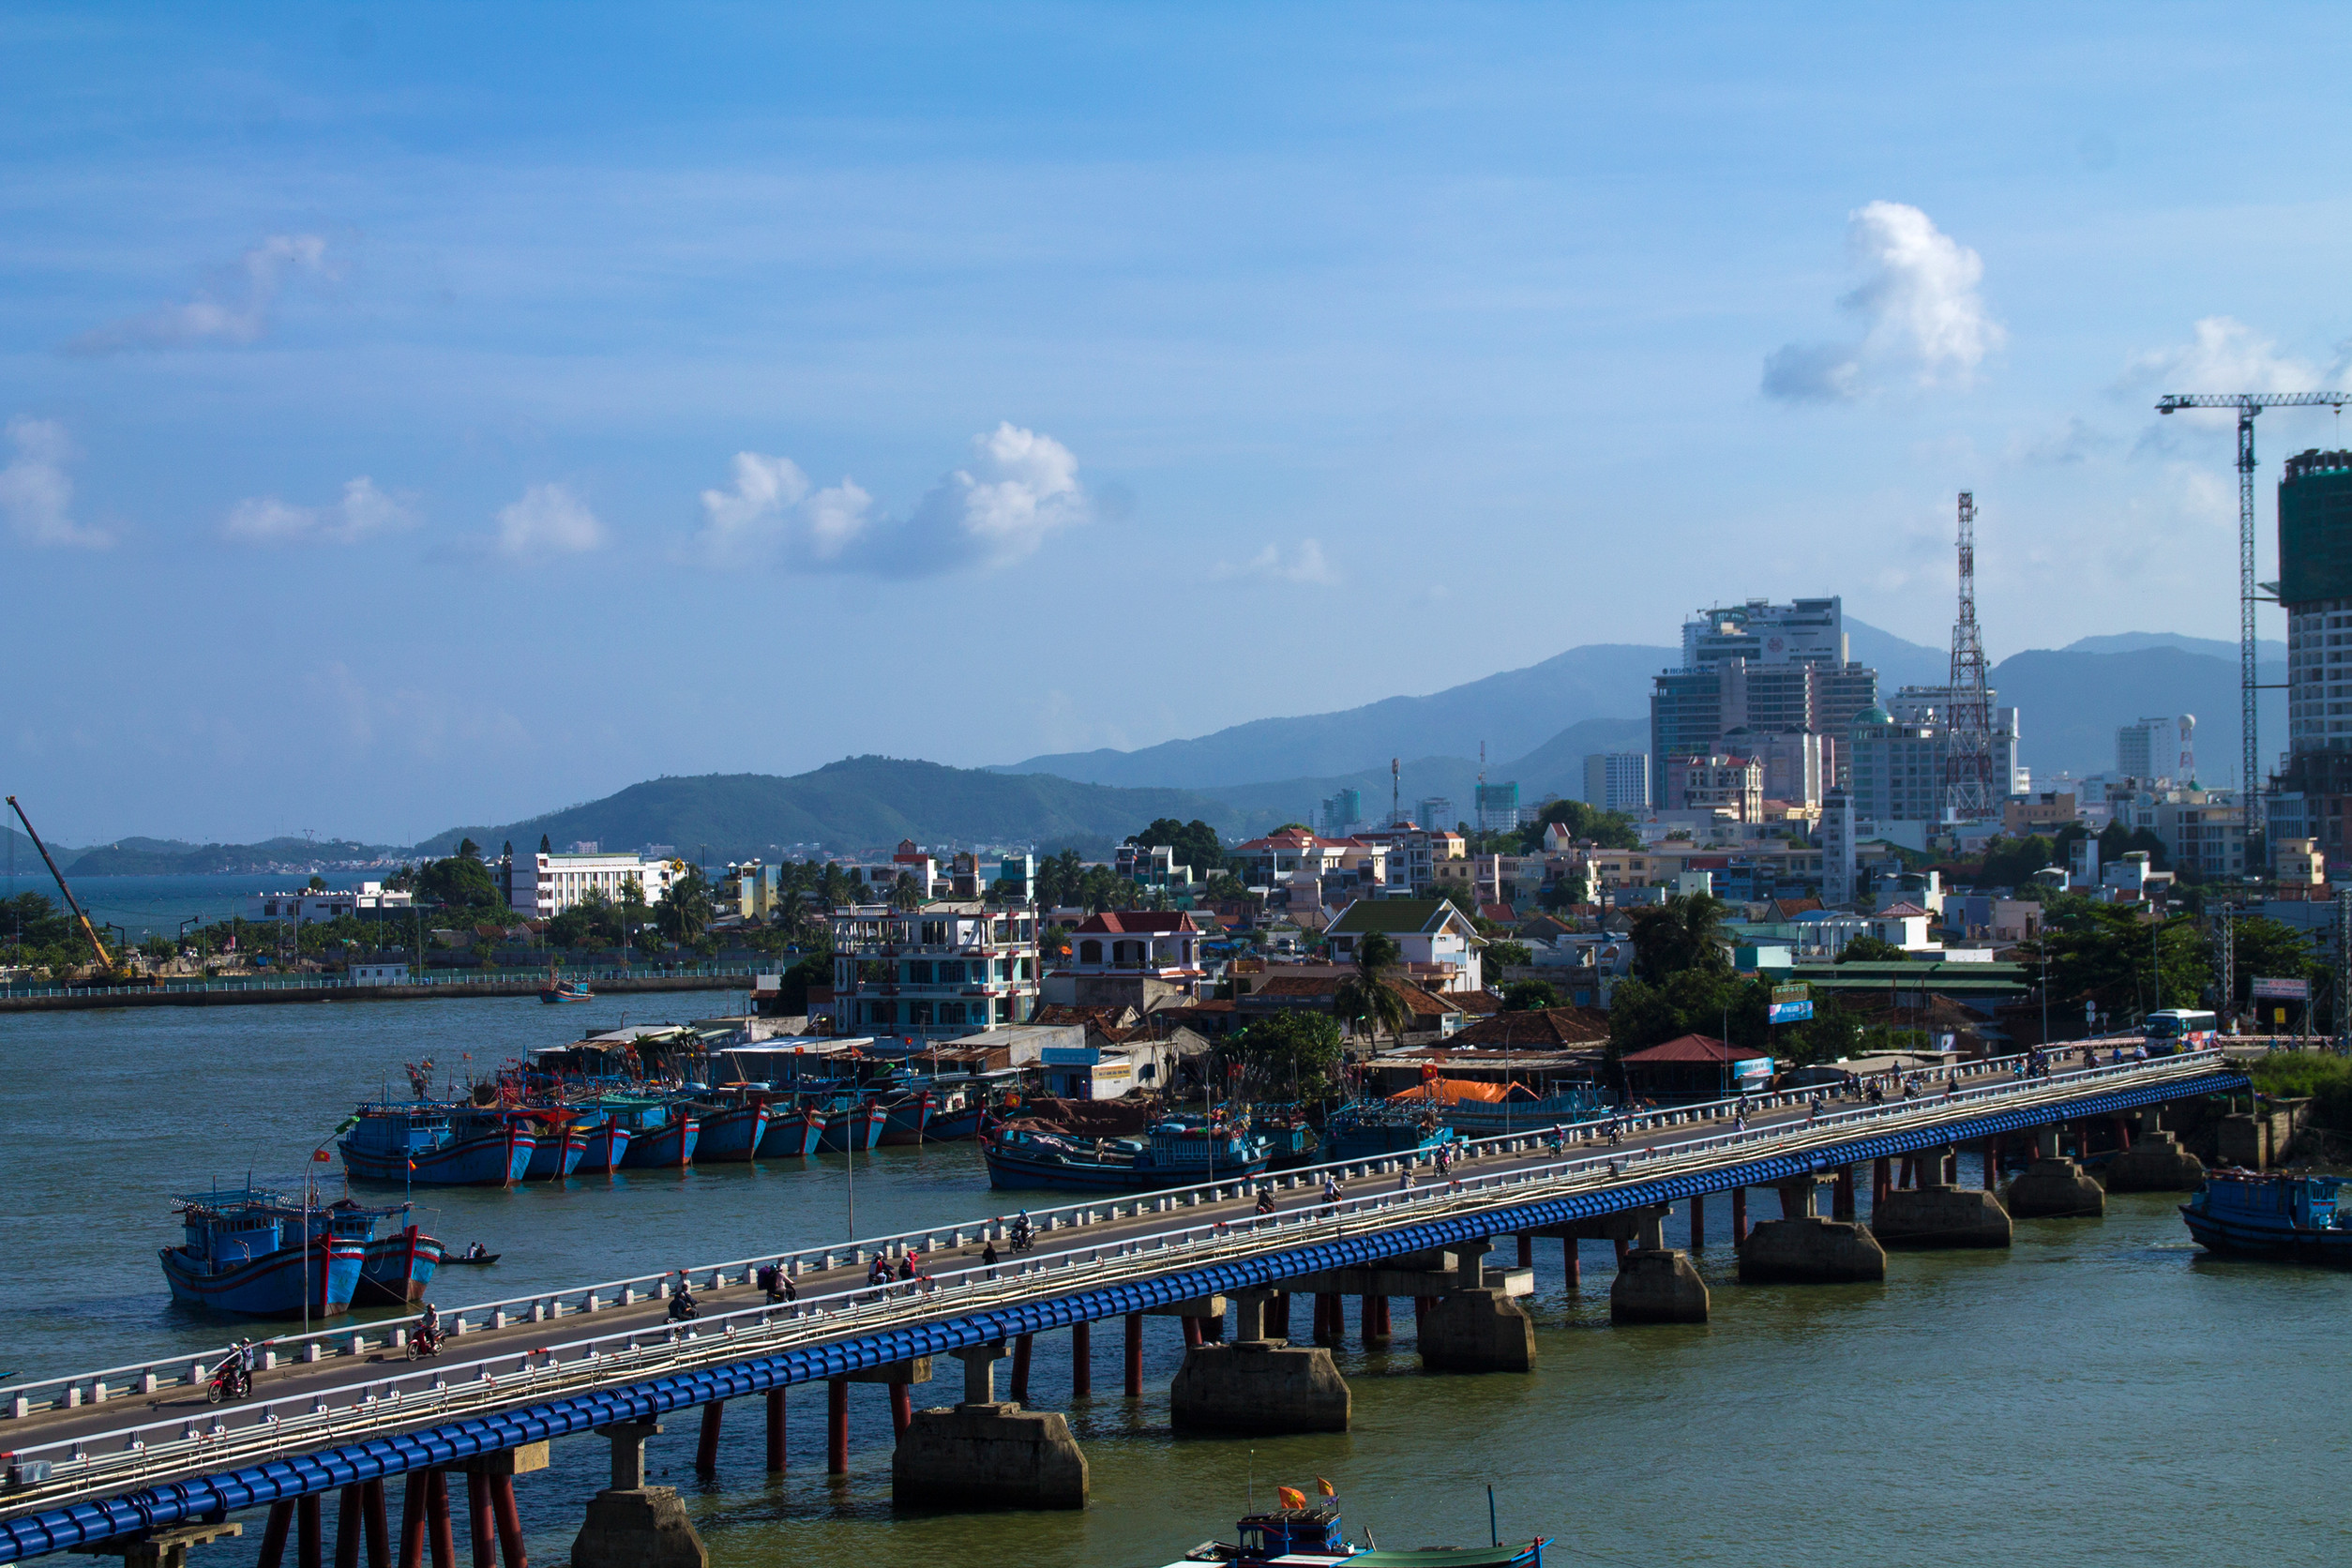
(1789, 1011)
(2282, 990)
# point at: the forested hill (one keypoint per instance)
(860, 802)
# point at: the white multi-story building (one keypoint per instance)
(2158, 749)
(937, 973)
(544, 885)
(1618, 781)
(311, 906)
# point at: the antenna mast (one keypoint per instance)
(1968, 793)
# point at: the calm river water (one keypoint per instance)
(2101, 1393)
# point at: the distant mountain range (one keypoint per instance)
(1539, 725)
(859, 803)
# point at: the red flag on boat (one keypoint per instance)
(1289, 1497)
(317, 1153)
(1325, 1488)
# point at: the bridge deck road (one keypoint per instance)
(295, 1380)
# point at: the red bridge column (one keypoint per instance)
(378, 1533)
(1021, 1369)
(477, 1516)
(274, 1533)
(510, 1520)
(412, 1500)
(310, 1549)
(776, 1431)
(1572, 1262)
(901, 1409)
(347, 1528)
(1738, 1215)
(1134, 1355)
(437, 1518)
(707, 1451)
(836, 1425)
(1699, 1224)
(1082, 1360)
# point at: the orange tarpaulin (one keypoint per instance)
(1454, 1090)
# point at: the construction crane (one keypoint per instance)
(2247, 405)
(115, 970)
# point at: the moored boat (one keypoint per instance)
(1374, 1128)
(2289, 1218)
(398, 1264)
(1312, 1538)
(606, 1141)
(1180, 1150)
(851, 1121)
(437, 1145)
(905, 1119)
(250, 1251)
(562, 1143)
(794, 1132)
(667, 1144)
(732, 1129)
(557, 990)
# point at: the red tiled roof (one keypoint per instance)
(1421, 1002)
(1694, 1048)
(1139, 922)
(1298, 985)
(1903, 912)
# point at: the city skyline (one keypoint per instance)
(421, 417)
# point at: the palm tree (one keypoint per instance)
(904, 892)
(1681, 933)
(1369, 996)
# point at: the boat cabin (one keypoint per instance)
(1288, 1531)
(2306, 1202)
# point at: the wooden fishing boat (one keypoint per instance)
(1299, 1537)
(794, 1132)
(1179, 1150)
(397, 1263)
(258, 1254)
(430, 1144)
(2287, 1218)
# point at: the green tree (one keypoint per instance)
(1683, 933)
(2273, 950)
(1288, 1056)
(459, 883)
(683, 913)
(1529, 996)
(2108, 955)
(1366, 997)
(1227, 888)
(1611, 830)
(1500, 956)
(1870, 950)
(906, 893)
(1195, 842)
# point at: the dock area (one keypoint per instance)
(250, 993)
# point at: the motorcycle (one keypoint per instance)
(424, 1343)
(684, 1307)
(1023, 1238)
(229, 1380)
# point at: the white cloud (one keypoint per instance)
(233, 306)
(548, 520)
(363, 511)
(36, 493)
(2225, 355)
(1019, 489)
(1306, 563)
(1921, 318)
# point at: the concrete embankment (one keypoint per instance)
(255, 996)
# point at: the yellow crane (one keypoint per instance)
(115, 971)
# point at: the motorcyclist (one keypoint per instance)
(248, 1360)
(1021, 1231)
(682, 1304)
(429, 1327)
(1265, 1200)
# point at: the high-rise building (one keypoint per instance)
(1498, 807)
(2155, 748)
(1733, 784)
(1794, 765)
(2315, 590)
(1616, 780)
(1436, 812)
(1340, 814)
(1897, 769)
(1838, 848)
(1765, 669)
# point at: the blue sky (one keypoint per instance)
(426, 414)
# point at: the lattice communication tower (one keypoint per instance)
(1968, 792)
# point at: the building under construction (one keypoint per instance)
(2315, 589)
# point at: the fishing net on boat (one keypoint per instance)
(1084, 1118)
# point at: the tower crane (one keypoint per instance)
(113, 970)
(2247, 405)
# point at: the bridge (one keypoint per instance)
(133, 1459)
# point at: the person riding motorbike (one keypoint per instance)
(682, 1303)
(1265, 1200)
(1022, 1230)
(425, 1338)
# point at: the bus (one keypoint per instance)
(2178, 1029)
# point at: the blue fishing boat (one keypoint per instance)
(606, 1142)
(557, 990)
(794, 1132)
(732, 1127)
(562, 1142)
(437, 1145)
(1304, 1536)
(664, 1144)
(963, 1114)
(906, 1117)
(851, 1121)
(1373, 1130)
(2289, 1218)
(250, 1251)
(1180, 1151)
(397, 1263)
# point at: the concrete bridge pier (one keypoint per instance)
(1474, 1327)
(2154, 1161)
(1800, 1248)
(629, 1524)
(1939, 1214)
(2055, 1187)
(986, 1454)
(1656, 1284)
(1260, 1385)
